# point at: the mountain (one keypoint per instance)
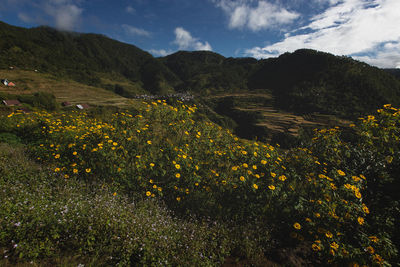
(394, 72)
(310, 81)
(305, 81)
(205, 72)
(87, 58)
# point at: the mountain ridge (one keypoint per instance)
(305, 81)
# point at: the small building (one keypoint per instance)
(66, 104)
(5, 82)
(82, 106)
(11, 102)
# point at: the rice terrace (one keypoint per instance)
(112, 157)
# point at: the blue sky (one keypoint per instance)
(367, 30)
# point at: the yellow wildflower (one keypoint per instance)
(341, 173)
(297, 226)
(148, 193)
(255, 186)
(272, 187)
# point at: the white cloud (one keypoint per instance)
(161, 52)
(25, 18)
(184, 40)
(65, 13)
(135, 31)
(130, 10)
(264, 15)
(348, 27)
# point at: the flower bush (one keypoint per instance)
(327, 195)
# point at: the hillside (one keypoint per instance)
(205, 72)
(309, 81)
(305, 87)
(87, 58)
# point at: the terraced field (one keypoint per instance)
(260, 105)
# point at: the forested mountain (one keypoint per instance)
(304, 81)
(83, 57)
(205, 72)
(308, 80)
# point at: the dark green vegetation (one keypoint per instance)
(159, 187)
(305, 81)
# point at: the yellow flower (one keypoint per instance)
(115, 193)
(88, 170)
(255, 186)
(151, 164)
(365, 209)
(149, 142)
(272, 187)
(57, 156)
(244, 152)
(341, 173)
(234, 168)
(151, 181)
(177, 166)
(360, 220)
(357, 194)
(74, 153)
(57, 169)
(148, 193)
(371, 250)
(75, 171)
(263, 162)
(115, 143)
(328, 234)
(282, 178)
(373, 239)
(245, 165)
(273, 174)
(315, 247)
(334, 245)
(66, 176)
(297, 226)
(178, 175)
(154, 186)
(254, 167)
(242, 178)
(178, 199)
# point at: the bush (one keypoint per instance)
(44, 215)
(325, 198)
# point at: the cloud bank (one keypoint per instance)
(185, 41)
(263, 15)
(63, 14)
(131, 30)
(364, 29)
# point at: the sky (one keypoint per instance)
(366, 30)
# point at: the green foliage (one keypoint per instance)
(40, 100)
(44, 216)
(327, 197)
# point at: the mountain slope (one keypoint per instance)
(310, 81)
(84, 57)
(207, 72)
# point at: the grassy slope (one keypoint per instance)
(28, 82)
